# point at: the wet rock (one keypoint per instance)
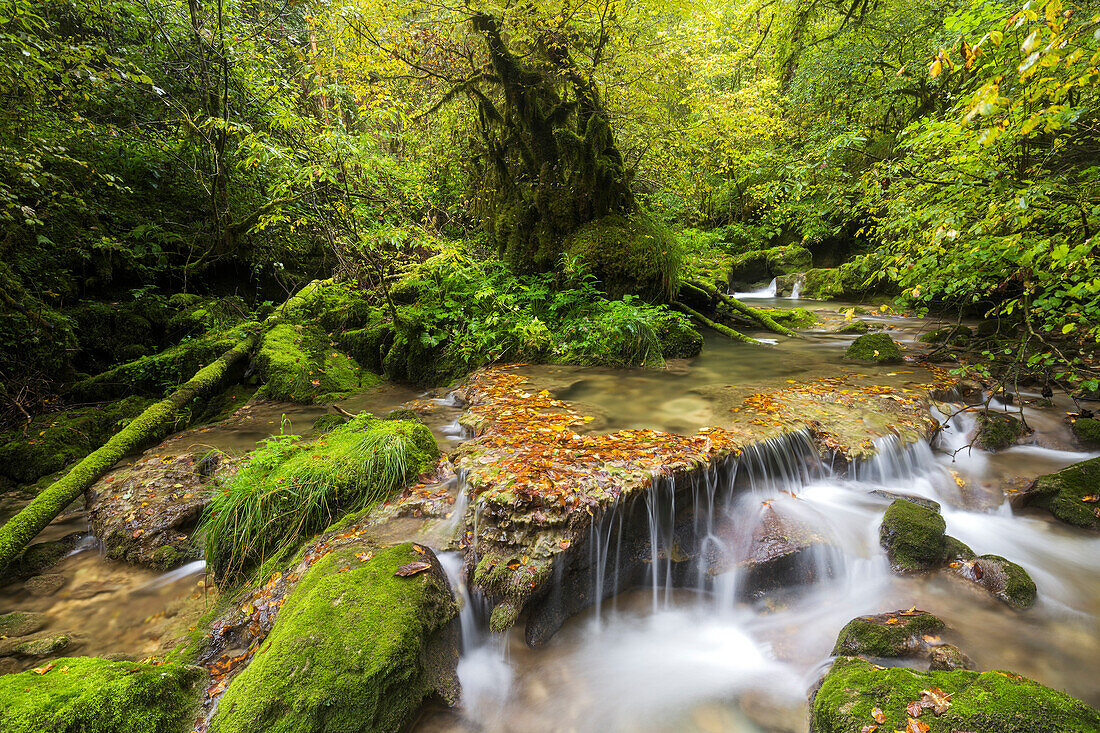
(40, 646)
(40, 556)
(986, 701)
(856, 326)
(1003, 578)
(913, 537)
(918, 500)
(88, 694)
(1087, 430)
(396, 645)
(948, 657)
(784, 553)
(896, 634)
(44, 585)
(1071, 495)
(956, 550)
(9, 665)
(874, 347)
(996, 431)
(90, 590)
(145, 513)
(22, 623)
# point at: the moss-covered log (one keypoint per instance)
(752, 314)
(33, 518)
(724, 330)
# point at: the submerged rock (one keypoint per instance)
(38, 646)
(874, 347)
(354, 647)
(44, 585)
(22, 623)
(919, 500)
(96, 696)
(40, 556)
(995, 702)
(784, 553)
(897, 634)
(913, 537)
(1071, 495)
(998, 430)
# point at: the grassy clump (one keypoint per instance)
(88, 695)
(391, 650)
(289, 490)
(58, 439)
(986, 702)
(913, 537)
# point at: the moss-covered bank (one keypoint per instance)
(354, 648)
(88, 695)
(986, 702)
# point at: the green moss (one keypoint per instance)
(997, 430)
(1087, 430)
(956, 549)
(43, 647)
(987, 702)
(677, 338)
(761, 265)
(58, 439)
(1062, 493)
(288, 490)
(369, 345)
(390, 652)
(636, 254)
(913, 537)
(326, 423)
(87, 695)
(822, 284)
(793, 318)
(1008, 581)
(508, 581)
(299, 364)
(874, 347)
(874, 636)
(854, 327)
(21, 623)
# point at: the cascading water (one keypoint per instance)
(767, 291)
(796, 288)
(698, 639)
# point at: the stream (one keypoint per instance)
(705, 657)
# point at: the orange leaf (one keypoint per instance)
(878, 715)
(412, 568)
(916, 726)
(44, 669)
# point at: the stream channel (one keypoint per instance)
(705, 656)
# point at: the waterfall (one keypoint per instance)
(767, 292)
(796, 289)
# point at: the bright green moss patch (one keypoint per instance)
(1063, 493)
(54, 441)
(299, 364)
(987, 702)
(635, 255)
(289, 490)
(913, 537)
(793, 318)
(874, 347)
(822, 284)
(87, 695)
(354, 648)
(886, 635)
(998, 430)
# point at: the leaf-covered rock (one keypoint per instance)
(896, 634)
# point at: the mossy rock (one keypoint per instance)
(1087, 430)
(39, 557)
(634, 254)
(299, 364)
(677, 338)
(1007, 581)
(853, 327)
(822, 284)
(56, 440)
(410, 358)
(761, 265)
(369, 345)
(948, 657)
(986, 702)
(22, 623)
(354, 648)
(792, 318)
(953, 335)
(998, 430)
(913, 537)
(874, 347)
(1063, 493)
(88, 695)
(956, 549)
(897, 634)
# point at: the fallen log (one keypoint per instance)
(724, 330)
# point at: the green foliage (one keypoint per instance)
(290, 489)
(96, 696)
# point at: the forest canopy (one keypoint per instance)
(537, 179)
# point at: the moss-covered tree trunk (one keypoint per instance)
(548, 163)
(17, 533)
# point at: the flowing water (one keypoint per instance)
(708, 656)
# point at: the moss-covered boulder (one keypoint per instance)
(88, 695)
(913, 537)
(355, 647)
(40, 556)
(1070, 494)
(635, 254)
(986, 702)
(1003, 578)
(1087, 430)
(857, 326)
(677, 338)
(793, 318)
(948, 657)
(369, 345)
(299, 364)
(878, 348)
(996, 431)
(760, 266)
(53, 441)
(897, 634)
